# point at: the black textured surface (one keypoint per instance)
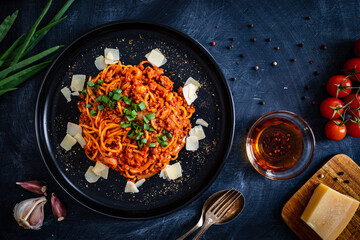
(333, 23)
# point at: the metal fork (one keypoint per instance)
(218, 210)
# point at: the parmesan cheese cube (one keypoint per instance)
(202, 122)
(173, 171)
(192, 90)
(101, 170)
(79, 138)
(156, 58)
(186, 92)
(68, 142)
(328, 212)
(190, 80)
(75, 93)
(67, 93)
(192, 143)
(111, 55)
(90, 176)
(100, 63)
(73, 129)
(140, 182)
(197, 132)
(77, 82)
(131, 187)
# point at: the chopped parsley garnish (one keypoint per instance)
(100, 81)
(150, 116)
(88, 105)
(90, 84)
(93, 112)
(100, 107)
(83, 92)
(127, 100)
(152, 144)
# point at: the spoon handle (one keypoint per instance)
(194, 228)
(202, 230)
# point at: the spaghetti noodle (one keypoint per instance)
(132, 120)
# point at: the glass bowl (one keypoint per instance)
(280, 145)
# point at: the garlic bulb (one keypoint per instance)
(30, 213)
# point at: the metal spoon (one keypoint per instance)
(231, 214)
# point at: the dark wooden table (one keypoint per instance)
(333, 23)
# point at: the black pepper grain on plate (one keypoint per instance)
(268, 39)
(293, 59)
(242, 55)
(301, 44)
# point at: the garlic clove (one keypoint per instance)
(34, 186)
(30, 213)
(58, 208)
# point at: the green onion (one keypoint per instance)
(117, 91)
(10, 50)
(163, 131)
(116, 97)
(90, 84)
(7, 23)
(151, 129)
(130, 118)
(133, 113)
(138, 136)
(100, 107)
(146, 126)
(135, 106)
(100, 81)
(83, 92)
(164, 144)
(110, 94)
(143, 140)
(145, 119)
(127, 100)
(140, 145)
(169, 135)
(96, 87)
(150, 116)
(88, 105)
(163, 138)
(93, 113)
(125, 125)
(112, 104)
(142, 106)
(99, 98)
(152, 144)
(130, 133)
(105, 99)
(159, 139)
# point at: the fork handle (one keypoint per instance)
(194, 228)
(202, 230)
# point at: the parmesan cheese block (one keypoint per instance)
(100, 63)
(77, 82)
(131, 187)
(190, 80)
(156, 58)
(79, 138)
(329, 212)
(111, 55)
(90, 176)
(101, 170)
(202, 122)
(73, 129)
(198, 132)
(192, 143)
(67, 93)
(68, 142)
(140, 182)
(171, 172)
(189, 93)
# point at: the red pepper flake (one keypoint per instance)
(237, 62)
(217, 27)
(324, 47)
(313, 102)
(277, 48)
(212, 43)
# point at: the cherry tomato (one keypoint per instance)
(357, 48)
(339, 86)
(331, 108)
(351, 66)
(354, 106)
(353, 127)
(334, 130)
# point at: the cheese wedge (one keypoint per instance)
(329, 212)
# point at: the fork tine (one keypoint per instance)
(216, 203)
(224, 201)
(224, 211)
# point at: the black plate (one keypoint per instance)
(157, 196)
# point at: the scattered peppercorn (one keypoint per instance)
(346, 181)
(230, 46)
(242, 55)
(251, 25)
(316, 72)
(314, 49)
(238, 62)
(277, 48)
(340, 173)
(324, 47)
(307, 87)
(293, 60)
(274, 63)
(311, 62)
(256, 68)
(262, 103)
(268, 39)
(217, 27)
(233, 79)
(253, 39)
(321, 176)
(212, 43)
(335, 179)
(308, 18)
(304, 98)
(301, 44)
(232, 39)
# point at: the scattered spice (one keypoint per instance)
(316, 73)
(307, 17)
(242, 55)
(253, 39)
(233, 79)
(314, 49)
(307, 87)
(324, 47)
(304, 98)
(251, 25)
(262, 103)
(311, 62)
(346, 181)
(313, 102)
(274, 63)
(335, 179)
(230, 46)
(277, 48)
(293, 60)
(301, 44)
(232, 39)
(256, 68)
(212, 43)
(237, 62)
(321, 176)
(340, 173)
(217, 27)
(268, 40)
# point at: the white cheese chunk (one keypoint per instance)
(192, 90)
(111, 55)
(68, 142)
(186, 91)
(162, 174)
(79, 138)
(67, 93)
(140, 182)
(100, 63)
(77, 82)
(202, 122)
(192, 143)
(173, 171)
(90, 176)
(131, 187)
(75, 93)
(156, 58)
(73, 129)
(198, 132)
(101, 170)
(190, 80)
